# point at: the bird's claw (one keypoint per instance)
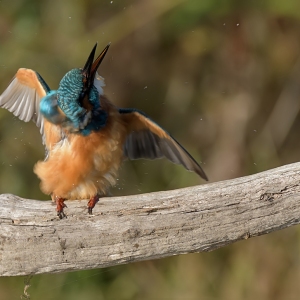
(61, 214)
(60, 205)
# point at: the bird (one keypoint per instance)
(86, 137)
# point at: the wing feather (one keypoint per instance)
(146, 139)
(23, 95)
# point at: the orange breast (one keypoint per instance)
(79, 167)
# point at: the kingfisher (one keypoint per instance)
(86, 137)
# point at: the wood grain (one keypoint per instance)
(148, 226)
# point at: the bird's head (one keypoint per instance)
(78, 92)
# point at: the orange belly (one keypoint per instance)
(79, 167)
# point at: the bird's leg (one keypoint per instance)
(60, 205)
(92, 203)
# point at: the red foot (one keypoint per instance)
(60, 205)
(92, 203)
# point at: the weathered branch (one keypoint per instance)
(126, 229)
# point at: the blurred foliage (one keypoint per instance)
(222, 76)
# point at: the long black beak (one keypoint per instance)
(90, 68)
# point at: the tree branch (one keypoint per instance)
(149, 226)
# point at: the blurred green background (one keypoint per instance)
(222, 76)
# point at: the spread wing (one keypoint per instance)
(148, 140)
(23, 95)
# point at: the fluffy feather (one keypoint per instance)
(79, 167)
